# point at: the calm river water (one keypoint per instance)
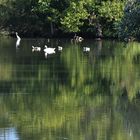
(71, 94)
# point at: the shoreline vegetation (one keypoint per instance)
(64, 35)
(107, 19)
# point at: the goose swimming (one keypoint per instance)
(79, 39)
(36, 49)
(60, 48)
(49, 50)
(86, 49)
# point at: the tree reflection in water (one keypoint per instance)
(72, 94)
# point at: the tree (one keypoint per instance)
(50, 17)
(104, 17)
(130, 24)
(20, 16)
(110, 14)
(74, 17)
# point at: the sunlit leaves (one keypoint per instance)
(111, 11)
(74, 17)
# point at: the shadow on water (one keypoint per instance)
(72, 94)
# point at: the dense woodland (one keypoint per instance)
(59, 18)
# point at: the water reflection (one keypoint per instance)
(8, 134)
(71, 95)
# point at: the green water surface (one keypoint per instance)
(71, 94)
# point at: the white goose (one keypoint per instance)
(18, 40)
(60, 48)
(49, 50)
(86, 49)
(79, 39)
(36, 49)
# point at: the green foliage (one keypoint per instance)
(3, 15)
(44, 17)
(20, 16)
(60, 5)
(46, 9)
(73, 17)
(130, 24)
(111, 13)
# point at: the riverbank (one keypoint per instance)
(4, 32)
(60, 35)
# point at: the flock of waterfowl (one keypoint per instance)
(49, 50)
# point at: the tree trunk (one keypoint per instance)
(52, 29)
(99, 31)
